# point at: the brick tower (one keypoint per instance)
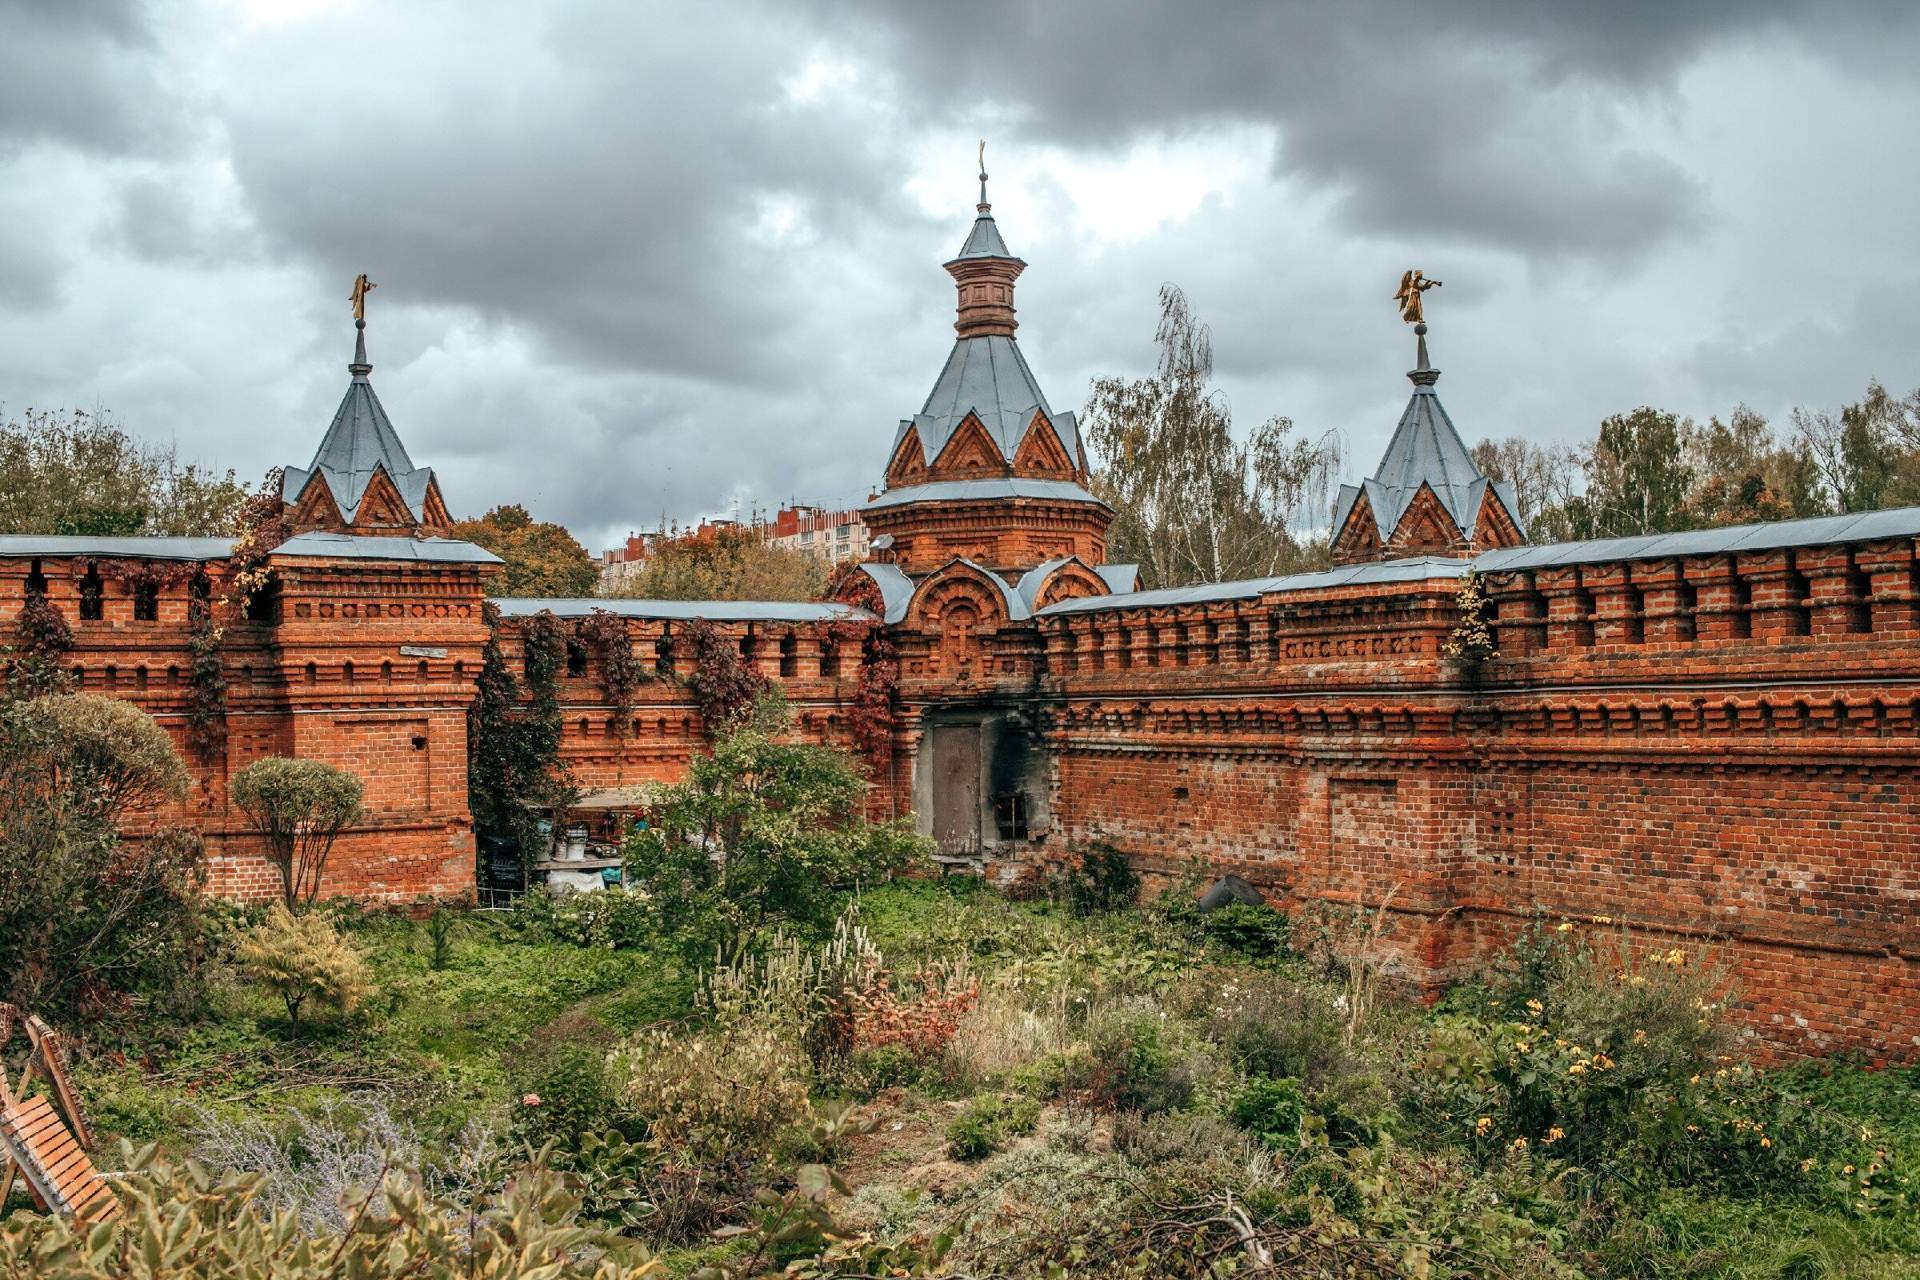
(987, 471)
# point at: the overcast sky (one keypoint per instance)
(642, 259)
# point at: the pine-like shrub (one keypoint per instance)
(304, 960)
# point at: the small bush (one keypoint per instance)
(723, 1100)
(610, 920)
(1099, 879)
(1000, 1038)
(1250, 931)
(1133, 1063)
(1277, 1028)
(563, 1093)
(986, 1122)
(304, 960)
(1270, 1110)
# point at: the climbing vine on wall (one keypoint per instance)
(41, 641)
(621, 674)
(1471, 641)
(206, 674)
(513, 762)
(870, 717)
(723, 683)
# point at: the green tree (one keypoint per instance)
(763, 830)
(1638, 477)
(725, 562)
(1191, 502)
(301, 806)
(81, 474)
(1743, 474)
(543, 559)
(1544, 479)
(85, 917)
(1868, 455)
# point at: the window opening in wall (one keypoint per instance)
(576, 658)
(313, 673)
(1098, 643)
(1634, 625)
(173, 674)
(264, 604)
(92, 596)
(346, 672)
(113, 676)
(1123, 649)
(421, 671)
(663, 655)
(1582, 617)
(139, 677)
(747, 645)
(1860, 599)
(1740, 603)
(1010, 815)
(789, 655)
(1181, 793)
(386, 672)
(1686, 608)
(146, 602)
(1799, 620)
(829, 659)
(36, 582)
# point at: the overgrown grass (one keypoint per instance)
(1122, 1082)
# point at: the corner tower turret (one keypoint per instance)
(1427, 497)
(361, 479)
(987, 471)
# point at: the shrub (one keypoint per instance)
(986, 1122)
(610, 920)
(720, 1100)
(1270, 1110)
(1134, 1066)
(1099, 879)
(1277, 1028)
(763, 831)
(1000, 1037)
(185, 1220)
(562, 1093)
(1251, 931)
(304, 959)
(87, 919)
(301, 806)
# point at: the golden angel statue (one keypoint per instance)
(361, 286)
(1412, 285)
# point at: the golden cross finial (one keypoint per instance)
(361, 286)
(1412, 285)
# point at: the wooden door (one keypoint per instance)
(956, 789)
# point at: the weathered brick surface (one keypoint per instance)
(1724, 749)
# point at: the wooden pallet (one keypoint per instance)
(61, 1176)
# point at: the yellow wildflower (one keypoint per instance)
(1565, 926)
(1847, 1169)
(1482, 1125)
(1577, 1069)
(1766, 1142)
(1555, 1134)
(1639, 1037)
(1806, 1164)
(1535, 1008)
(1676, 957)
(1519, 1144)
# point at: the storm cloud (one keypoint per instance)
(642, 261)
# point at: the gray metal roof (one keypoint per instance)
(1425, 449)
(685, 610)
(982, 490)
(1119, 577)
(351, 546)
(18, 545)
(1864, 526)
(1033, 580)
(984, 241)
(989, 378)
(896, 589)
(1412, 569)
(360, 441)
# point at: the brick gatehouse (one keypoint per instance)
(1711, 734)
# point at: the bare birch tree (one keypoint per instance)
(1192, 502)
